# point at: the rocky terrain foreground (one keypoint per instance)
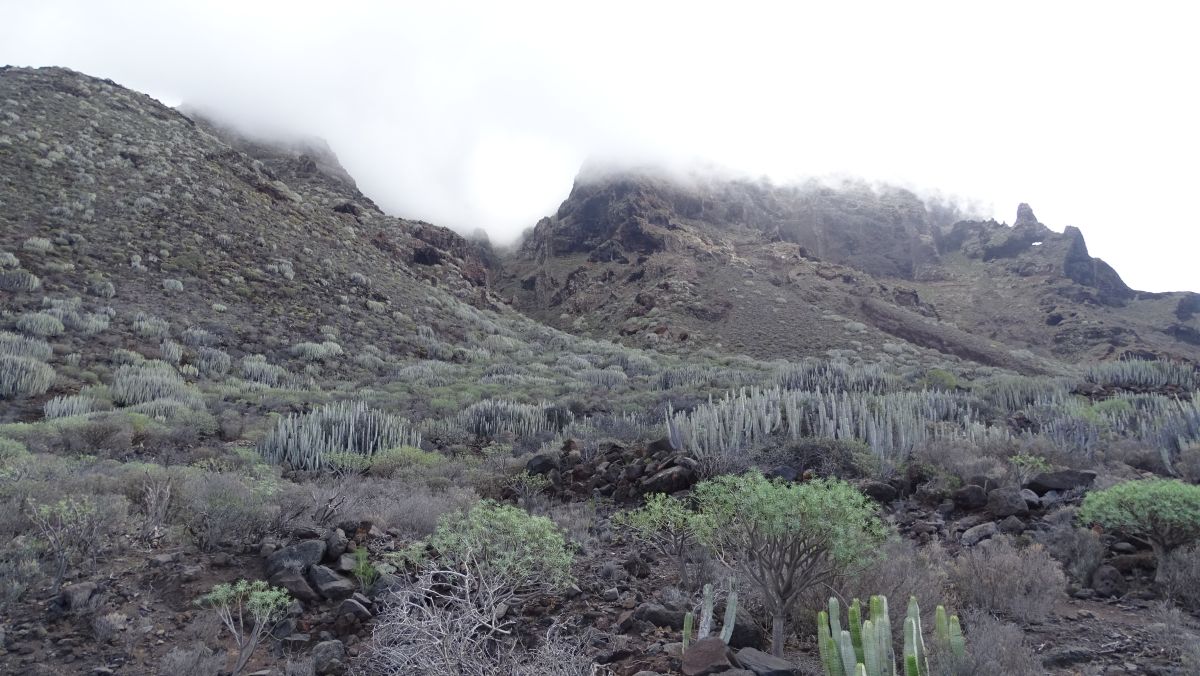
(220, 362)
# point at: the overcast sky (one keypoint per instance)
(479, 114)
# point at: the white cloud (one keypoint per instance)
(477, 115)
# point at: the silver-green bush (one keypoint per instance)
(305, 441)
(23, 377)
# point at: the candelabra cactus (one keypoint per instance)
(864, 648)
(706, 618)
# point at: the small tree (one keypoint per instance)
(665, 524)
(1166, 512)
(785, 537)
(249, 610)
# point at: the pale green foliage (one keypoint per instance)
(40, 324)
(10, 450)
(1138, 373)
(865, 645)
(38, 244)
(172, 285)
(8, 260)
(212, 362)
(249, 610)
(306, 441)
(19, 280)
(317, 351)
(1164, 511)
(786, 537)
(255, 368)
(364, 571)
(14, 345)
(502, 542)
(150, 381)
(491, 417)
(666, 524)
(1025, 466)
(149, 326)
(69, 405)
(23, 377)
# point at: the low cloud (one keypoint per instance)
(479, 116)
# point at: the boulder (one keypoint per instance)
(659, 616)
(74, 597)
(330, 584)
(295, 584)
(298, 557)
(383, 584)
(764, 664)
(1012, 525)
(335, 544)
(979, 533)
(1062, 480)
(970, 497)
(1108, 581)
(707, 656)
(879, 491)
(746, 632)
(329, 658)
(1007, 501)
(1032, 500)
(669, 480)
(541, 464)
(353, 610)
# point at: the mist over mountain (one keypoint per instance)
(251, 422)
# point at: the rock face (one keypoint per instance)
(651, 258)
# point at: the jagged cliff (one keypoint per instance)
(794, 270)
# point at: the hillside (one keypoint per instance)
(226, 375)
(798, 270)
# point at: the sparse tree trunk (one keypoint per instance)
(777, 621)
(683, 571)
(1160, 559)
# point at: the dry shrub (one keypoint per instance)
(996, 647)
(445, 624)
(1181, 578)
(220, 508)
(198, 660)
(1175, 636)
(578, 521)
(959, 458)
(413, 509)
(1019, 584)
(1079, 550)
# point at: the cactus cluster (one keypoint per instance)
(864, 647)
(306, 441)
(706, 618)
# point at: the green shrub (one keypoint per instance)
(1166, 512)
(11, 449)
(23, 377)
(506, 545)
(404, 459)
(786, 537)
